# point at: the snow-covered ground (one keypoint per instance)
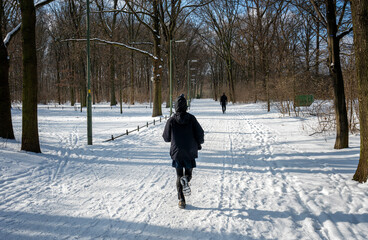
(259, 176)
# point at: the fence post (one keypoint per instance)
(154, 122)
(112, 137)
(160, 119)
(138, 128)
(127, 132)
(147, 124)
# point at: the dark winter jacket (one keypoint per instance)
(185, 135)
(223, 100)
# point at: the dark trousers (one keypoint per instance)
(223, 107)
(179, 174)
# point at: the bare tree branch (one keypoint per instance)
(12, 33)
(117, 44)
(139, 18)
(344, 34)
(342, 14)
(321, 17)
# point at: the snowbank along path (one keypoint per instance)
(259, 176)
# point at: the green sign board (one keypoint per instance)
(303, 100)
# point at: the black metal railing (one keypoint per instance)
(137, 129)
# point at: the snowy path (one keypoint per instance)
(258, 177)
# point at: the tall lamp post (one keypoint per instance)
(171, 70)
(89, 107)
(188, 96)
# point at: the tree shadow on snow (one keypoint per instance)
(258, 215)
(342, 162)
(23, 225)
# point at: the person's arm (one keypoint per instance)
(167, 132)
(198, 132)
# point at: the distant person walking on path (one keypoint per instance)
(186, 136)
(223, 102)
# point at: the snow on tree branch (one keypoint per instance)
(115, 44)
(42, 3)
(9, 36)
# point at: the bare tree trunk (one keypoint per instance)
(148, 77)
(230, 78)
(132, 72)
(30, 140)
(132, 66)
(6, 126)
(157, 69)
(168, 75)
(214, 82)
(72, 95)
(71, 76)
(57, 57)
(82, 84)
(317, 47)
(254, 70)
(342, 128)
(267, 77)
(307, 45)
(112, 77)
(360, 21)
(121, 93)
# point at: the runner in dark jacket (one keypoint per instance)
(223, 102)
(186, 137)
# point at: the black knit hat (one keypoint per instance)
(181, 104)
